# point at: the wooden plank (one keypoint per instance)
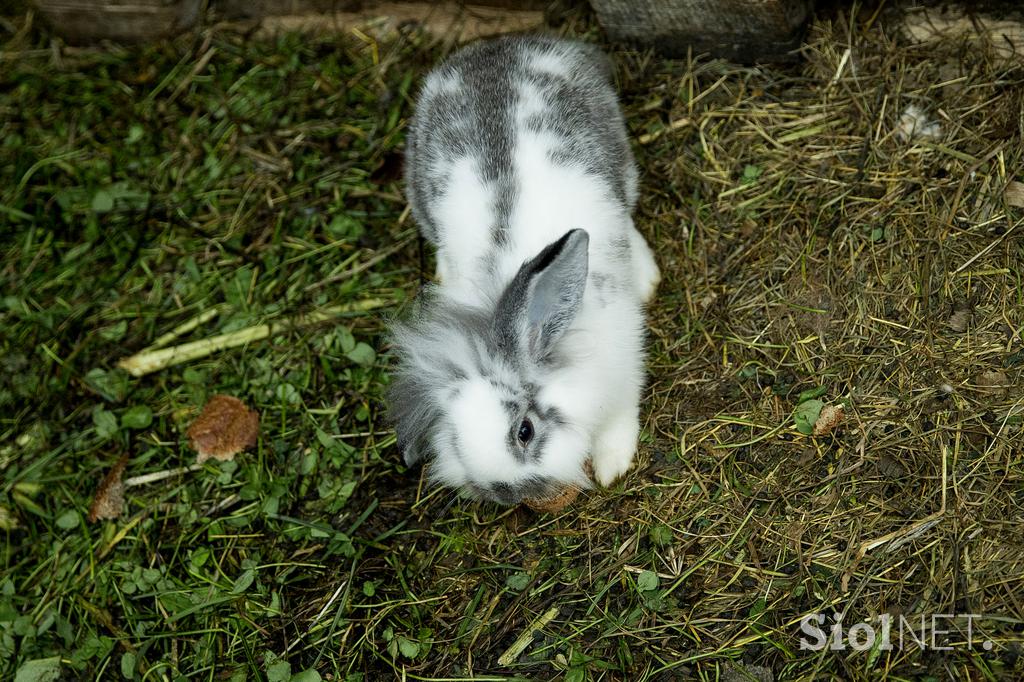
(1002, 27)
(87, 21)
(257, 9)
(746, 31)
(129, 21)
(456, 21)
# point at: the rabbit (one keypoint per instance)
(526, 358)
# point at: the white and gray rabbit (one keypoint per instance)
(526, 359)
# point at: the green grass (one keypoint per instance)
(140, 193)
(803, 260)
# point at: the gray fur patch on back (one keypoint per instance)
(583, 114)
(468, 109)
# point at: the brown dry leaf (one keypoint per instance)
(993, 382)
(108, 501)
(959, 320)
(562, 499)
(224, 428)
(807, 455)
(1014, 194)
(828, 419)
(890, 467)
(553, 504)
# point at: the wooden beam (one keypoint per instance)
(746, 31)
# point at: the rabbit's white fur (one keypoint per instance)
(519, 172)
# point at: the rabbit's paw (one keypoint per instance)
(614, 449)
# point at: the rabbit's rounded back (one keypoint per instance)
(475, 103)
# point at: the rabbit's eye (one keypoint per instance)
(525, 434)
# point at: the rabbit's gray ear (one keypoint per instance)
(544, 297)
